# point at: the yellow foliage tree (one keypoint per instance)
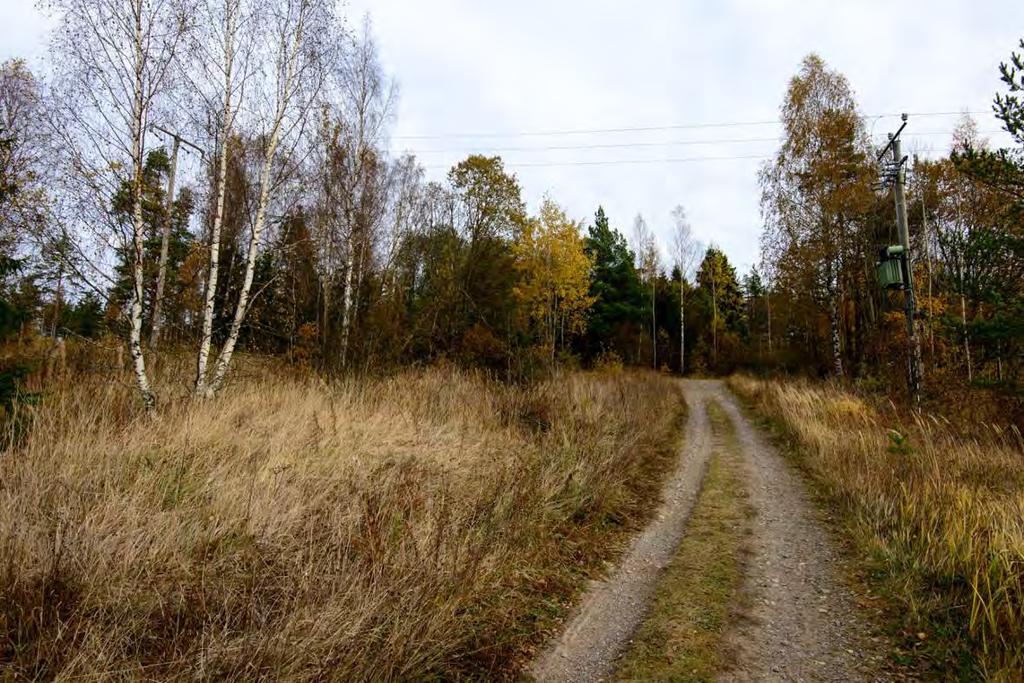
(554, 276)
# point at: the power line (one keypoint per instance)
(641, 129)
(616, 162)
(612, 145)
(622, 162)
(628, 145)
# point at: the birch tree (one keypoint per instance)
(283, 82)
(685, 250)
(354, 198)
(223, 66)
(112, 62)
(646, 249)
(23, 147)
(816, 188)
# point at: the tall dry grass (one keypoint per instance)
(941, 512)
(428, 525)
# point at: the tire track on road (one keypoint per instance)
(600, 628)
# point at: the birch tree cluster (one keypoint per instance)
(214, 176)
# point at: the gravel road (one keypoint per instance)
(800, 624)
(611, 609)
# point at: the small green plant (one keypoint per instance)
(899, 443)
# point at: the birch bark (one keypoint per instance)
(285, 94)
(231, 9)
(138, 225)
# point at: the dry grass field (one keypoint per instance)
(428, 525)
(939, 511)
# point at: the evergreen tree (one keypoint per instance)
(723, 300)
(618, 308)
(154, 209)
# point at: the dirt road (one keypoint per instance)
(612, 609)
(801, 622)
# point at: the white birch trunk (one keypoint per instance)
(682, 327)
(654, 322)
(346, 300)
(224, 359)
(138, 226)
(165, 239)
(230, 27)
(283, 102)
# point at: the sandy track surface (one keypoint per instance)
(801, 622)
(611, 609)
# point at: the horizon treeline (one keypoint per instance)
(284, 226)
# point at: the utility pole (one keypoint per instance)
(909, 304)
(161, 279)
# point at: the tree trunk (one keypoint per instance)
(714, 322)
(654, 325)
(928, 255)
(224, 359)
(682, 327)
(138, 225)
(284, 98)
(967, 341)
(833, 323)
(201, 389)
(346, 300)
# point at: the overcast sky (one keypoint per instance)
(498, 70)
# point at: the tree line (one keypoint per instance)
(296, 233)
(826, 220)
(299, 234)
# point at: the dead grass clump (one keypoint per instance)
(418, 526)
(941, 511)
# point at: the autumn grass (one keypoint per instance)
(681, 638)
(938, 515)
(429, 525)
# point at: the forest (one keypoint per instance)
(297, 234)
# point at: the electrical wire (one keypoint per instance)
(640, 129)
(628, 145)
(622, 162)
(619, 162)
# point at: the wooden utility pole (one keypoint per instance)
(161, 278)
(909, 304)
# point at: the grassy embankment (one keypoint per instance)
(937, 514)
(680, 639)
(429, 525)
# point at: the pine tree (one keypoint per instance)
(618, 306)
